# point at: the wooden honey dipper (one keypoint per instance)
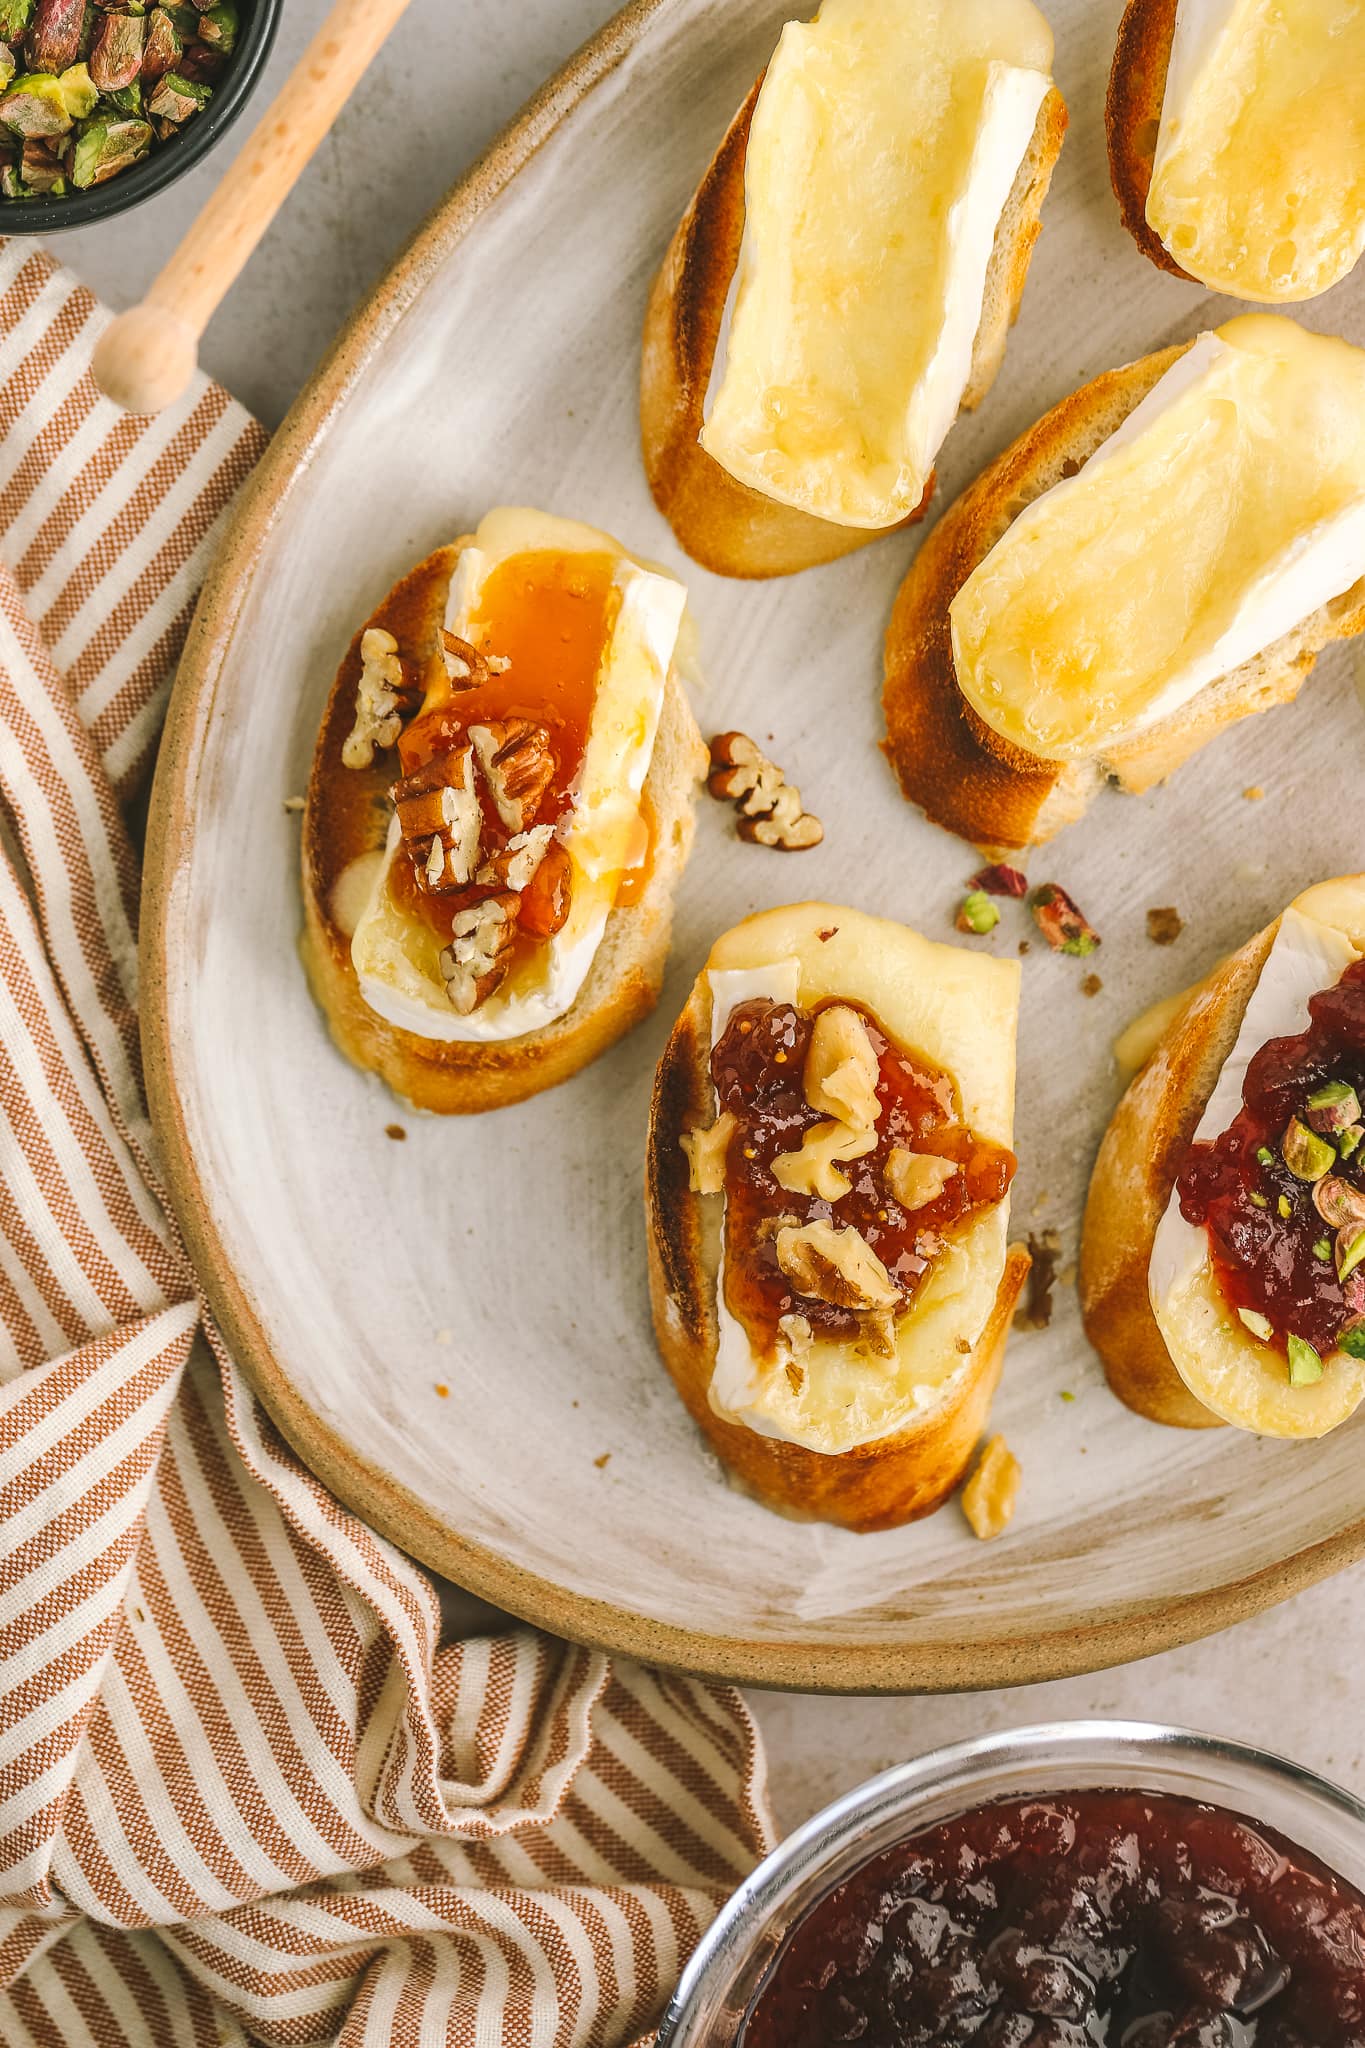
(146, 358)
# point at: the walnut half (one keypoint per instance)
(770, 809)
(837, 1266)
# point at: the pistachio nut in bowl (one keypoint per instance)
(100, 108)
(1083, 1885)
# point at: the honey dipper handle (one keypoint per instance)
(146, 358)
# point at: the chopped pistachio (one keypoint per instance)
(79, 91)
(174, 98)
(1322, 1249)
(1285, 1206)
(1259, 1200)
(110, 143)
(218, 27)
(163, 48)
(1352, 1342)
(8, 66)
(1333, 1107)
(1348, 1141)
(35, 105)
(116, 57)
(977, 914)
(1307, 1156)
(1265, 1155)
(14, 18)
(1350, 1250)
(1259, 1325)
(127, 100)
(1062, 923)
(56, 34)
(184, 18)
(1305, 1365)
(12, 184)
(1338, 1202)
(42, 167)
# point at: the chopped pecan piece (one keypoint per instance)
(706, 1152)
(838, 1266)
(770, 809)
(813, 1170)
(476, 961)
(466, 666)
(1061, 923)
(515, 757)
(440, 819)
(842, 1072)
(381, 698)
(515, 867)
(547, 896)
(914, 1179)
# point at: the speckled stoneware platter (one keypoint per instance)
(502, 1258)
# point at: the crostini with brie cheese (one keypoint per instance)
(827, 1188)
(1237, 141)
(500, 807)
(845, 277)
(1165, 552)
(1222, 1274)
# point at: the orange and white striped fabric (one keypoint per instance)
(248, 1794)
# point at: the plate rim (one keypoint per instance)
(977, 1660)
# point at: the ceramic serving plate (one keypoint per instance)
(453, 1329)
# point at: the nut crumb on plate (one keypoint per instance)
(989, 1497)
(1164, 925)
(770, 808)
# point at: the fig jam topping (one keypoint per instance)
(1084, 1920)
(1281, 1192)
(758, 1066)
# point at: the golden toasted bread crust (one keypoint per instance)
(346, 817)
(722, 523)
(1136, 1169)
(959, 772)
(876, 1486)
(1132, 117)
(965, 776)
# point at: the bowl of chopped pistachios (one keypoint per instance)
(105, 102)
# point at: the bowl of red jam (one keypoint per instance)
(1086, 1885)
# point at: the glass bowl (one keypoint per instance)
(48, 216)
(720, 1982)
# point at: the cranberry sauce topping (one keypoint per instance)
(758, 1067)
(1085, 1920)
(1281, 1192)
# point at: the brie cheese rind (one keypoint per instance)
(883, 148)
(1258, 182)
(396, 956)
(960, 1011)
(1240, 1379)
(1226, 510)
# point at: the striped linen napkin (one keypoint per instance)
(247, 1792)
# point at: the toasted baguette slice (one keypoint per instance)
(722, 523)
(1135, 1172)
(965, 776)
(1132, 118)
(876, 1485)
(344, 829)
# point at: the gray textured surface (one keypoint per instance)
(453, 72)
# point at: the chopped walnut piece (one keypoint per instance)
(842, 1072)
(838, 1266)
(812, 1170)
(515, 867)
(990, 1494)
(476, 961)
(914, 1179)
(515, 757)
(381, 697)
(877, 1329)
(798, 1336)
(1165, 925)
(706, 1152)
(439, 817)
(770, 809)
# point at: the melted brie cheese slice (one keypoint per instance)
(1240, 1379)
(959, 1010)
(1258, 185)
(396, 956)
(884, 145)
(1226, 510)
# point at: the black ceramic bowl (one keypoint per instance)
(260, 19)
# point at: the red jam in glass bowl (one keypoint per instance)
(1077, 1920)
